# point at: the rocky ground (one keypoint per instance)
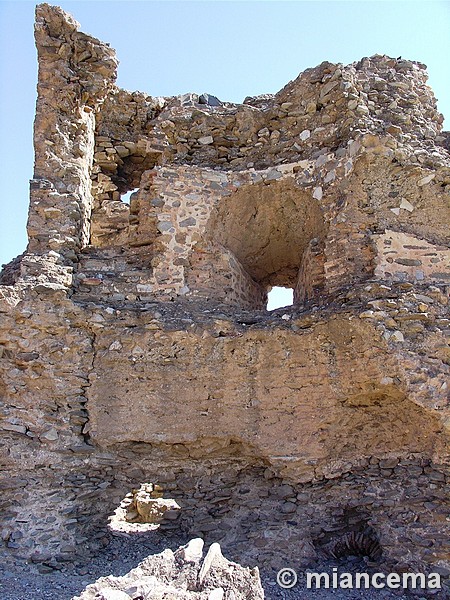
(22, 581)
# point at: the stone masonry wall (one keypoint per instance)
(135, 344)
(311, 273)
(403, 256)
(259, 450)
(75, 74)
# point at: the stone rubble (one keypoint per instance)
(181, 575)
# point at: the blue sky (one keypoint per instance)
(229, 49)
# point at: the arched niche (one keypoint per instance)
(265, 235)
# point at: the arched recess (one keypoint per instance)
(267, 234)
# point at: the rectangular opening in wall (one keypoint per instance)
(279, 297)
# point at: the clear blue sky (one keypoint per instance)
(229, 49)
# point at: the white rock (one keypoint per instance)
(426, 179)
(193, 551)
(207, 139)
(214, 552)
(216, 594)
(305, 134)
(318, 193)
(362, 109)
(397, 336)
(116, 345)
(407, 205)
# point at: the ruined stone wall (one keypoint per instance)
(75, 74)
(310, 279)
(402, 256)
(247, 457)
(135, 344)
(314, 131)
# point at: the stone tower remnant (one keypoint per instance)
(135, 345)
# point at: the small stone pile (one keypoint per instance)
(181, 575)
(147, 505)
(144, 509)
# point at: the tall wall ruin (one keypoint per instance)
(135, 344)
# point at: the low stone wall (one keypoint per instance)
(256, 515)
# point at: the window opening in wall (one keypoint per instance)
(125, 198)
(144, 509)
(279, 297)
